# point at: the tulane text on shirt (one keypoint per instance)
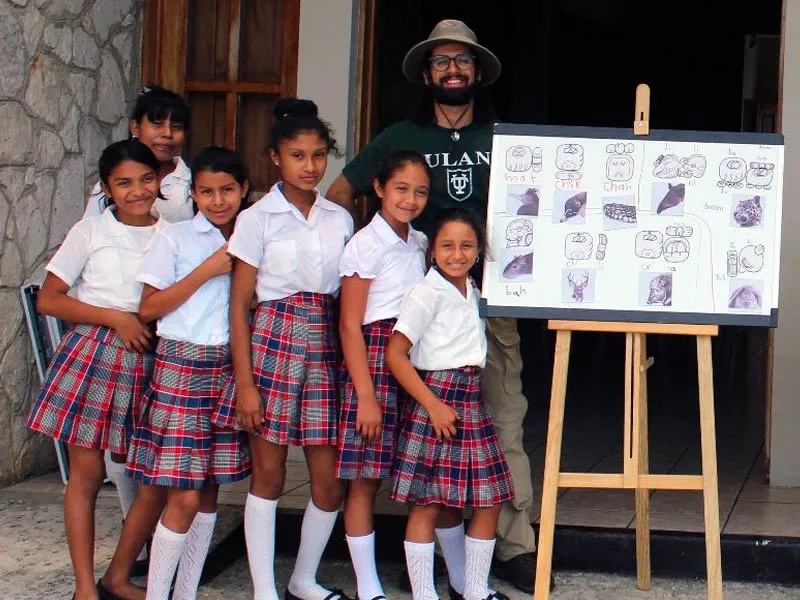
(444, 159)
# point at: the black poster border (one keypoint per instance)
(628, 316)
(656, 135)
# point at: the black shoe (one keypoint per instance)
(335, 594)
(104, 593)
(519, 571)
(454, 595)
(439, 569)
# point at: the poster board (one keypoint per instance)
(588, 223)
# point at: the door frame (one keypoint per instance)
(363, 102)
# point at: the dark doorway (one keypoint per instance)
(577, 62)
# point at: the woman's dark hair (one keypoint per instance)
(119, 152)
(293, 116)
(396, 161)
(456, 215)
(158, 103)
(218, 159)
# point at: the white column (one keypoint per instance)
(785, 458)
(323, 68)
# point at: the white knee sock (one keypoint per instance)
(126, 489)
(314, 536)
(198, 541)
(451, 541)
(167, 548)
(259, 533)
(419, 561)
(362, 553)
(479, 560)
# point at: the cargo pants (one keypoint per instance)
(501, 386)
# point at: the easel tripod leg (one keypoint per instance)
(643, 571)
(709, 452)
(552, 465)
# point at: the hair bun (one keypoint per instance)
(294, 107)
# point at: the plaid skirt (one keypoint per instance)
(92, 390)
(357, 458)
(470, 469)
(175, 444)
(295, 359)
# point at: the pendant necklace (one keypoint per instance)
(455, 135)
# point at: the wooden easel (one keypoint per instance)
(635, 475)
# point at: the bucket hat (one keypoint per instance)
(451, 31)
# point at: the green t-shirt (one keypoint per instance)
(460, 168)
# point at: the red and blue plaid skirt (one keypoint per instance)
(357, 458)
(295, 359)
(175, 444)
(470, 469)
(92, 390)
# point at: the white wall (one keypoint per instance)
(785, 458)
(323, 70)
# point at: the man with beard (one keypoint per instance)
(456, 141)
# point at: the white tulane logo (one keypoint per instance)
(459, 184)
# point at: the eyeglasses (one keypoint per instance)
(441, 62)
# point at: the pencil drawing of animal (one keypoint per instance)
(620, 212)
(660, 290)
(673, 197)
(520, 265)
(574, 206)
(530, 203)
(745, 297)
(578, 288)
(748, 213)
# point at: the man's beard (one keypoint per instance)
(452, 96)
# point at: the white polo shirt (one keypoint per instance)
(103, 256)
(175, 252)
(175, 187)
(376, 252)
(443, 326)
(292, 254)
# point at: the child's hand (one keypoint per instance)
(219, 263)
(443, 419)
(369, 418)
(248, 408)
(135, 335)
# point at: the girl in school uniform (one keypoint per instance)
(380, 263)
(103, 363)
(160, 120)
(287, 248)
(186, 277)
(448, 455)
(175, 455)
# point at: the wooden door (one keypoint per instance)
(232, 60)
